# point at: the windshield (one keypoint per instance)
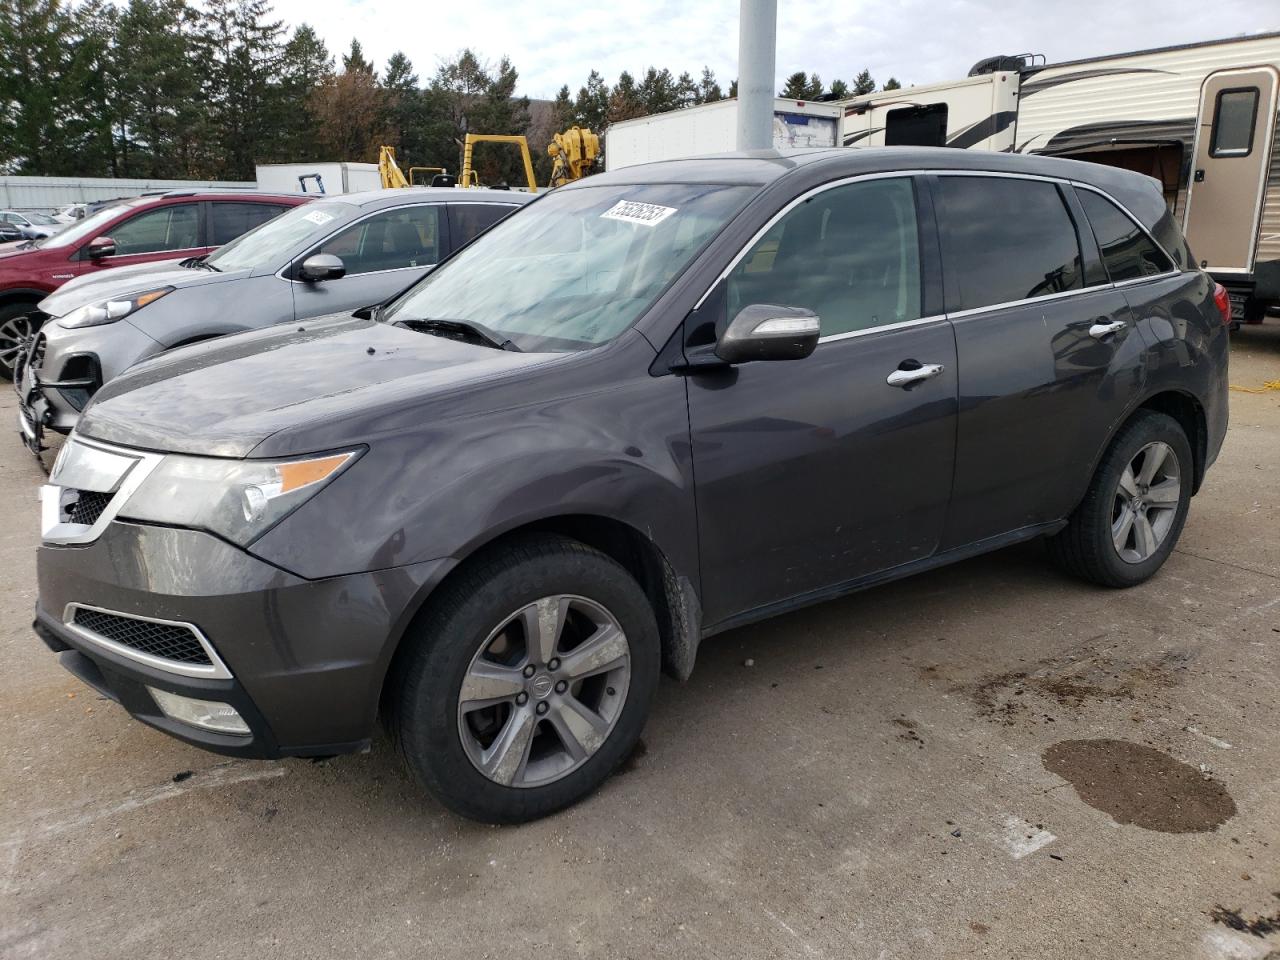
(42, 219)
(89, 228)
(265, 245)
(577, 267)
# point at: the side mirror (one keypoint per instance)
(322, 266)
(100, 247)
(765, 331)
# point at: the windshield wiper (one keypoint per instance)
(466, 327)
(198, 263)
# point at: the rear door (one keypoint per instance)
(1047, 352)
(383, 253)
(228, 219)
(814, 473)
(1234, 132)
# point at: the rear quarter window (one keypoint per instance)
(1127, 251)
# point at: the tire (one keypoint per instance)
(478, 629)
(13, 330)
(1096, 545)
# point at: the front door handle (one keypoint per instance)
(906, 378)
(1100, 330)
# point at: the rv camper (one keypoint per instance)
(1200, 118)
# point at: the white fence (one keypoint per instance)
(51, 193)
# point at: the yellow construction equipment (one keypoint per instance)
(433, 171)
(468, 146)
(574, 153)
(389, 170)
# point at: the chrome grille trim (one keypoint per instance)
(215, 669)
(87, 465)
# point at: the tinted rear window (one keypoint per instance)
(1127, 252)
(1008, 239)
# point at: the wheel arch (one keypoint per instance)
(672, 594)
(31, 295)
(1189, 413)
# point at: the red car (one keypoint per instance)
(173, 225)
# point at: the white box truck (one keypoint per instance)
(318, 177)
(713, 128)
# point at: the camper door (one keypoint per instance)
(1234, 130)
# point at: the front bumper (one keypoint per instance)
(307, 657)
(64, 369)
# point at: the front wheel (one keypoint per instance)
(528, 682)
(16, 329)
(1135, 508)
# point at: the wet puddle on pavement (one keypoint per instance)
(1135, 784)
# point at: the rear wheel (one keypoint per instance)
(529, 681)
(1135, 508)
(16, 328)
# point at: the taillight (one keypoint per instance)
(1222, 300)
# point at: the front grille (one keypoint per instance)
(165, 640)
(88, 508)
(35, 359)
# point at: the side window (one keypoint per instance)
(1234, 116)
(923, 126)
(175, 227)
(1127, 252)
(228, 220)
(468, 220)
(1007, 239)
(850, 254)
(390, 240)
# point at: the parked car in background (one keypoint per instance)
(125, 233)
(10, 232)
(31, 225)
(656, 404)
(332, 256)
(71, 213)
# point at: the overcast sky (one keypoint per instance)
(918, 41)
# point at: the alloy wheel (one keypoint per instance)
(1146, 502)
(544, 691)
(14, 334)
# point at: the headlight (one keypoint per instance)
(236, 499)
(93, 314)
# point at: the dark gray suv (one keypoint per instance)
(648, 407)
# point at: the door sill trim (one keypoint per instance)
(823, 594)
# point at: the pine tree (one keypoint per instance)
(892, 84)
(863, 83)
(708, 90)
(796, 86)
(591, 108)
(306, 66)
(624, 100)
(32, 51)
(840, 90)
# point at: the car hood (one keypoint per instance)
(225, 397)
(121, 282)
(14, 249)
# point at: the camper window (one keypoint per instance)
(1233, 122)
(916, 126)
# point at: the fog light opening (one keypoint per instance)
(205, 714)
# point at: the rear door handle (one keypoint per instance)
(1100, 330)
(905, 378)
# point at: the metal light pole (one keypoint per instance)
(757, 49)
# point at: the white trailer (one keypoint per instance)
(713, 128)
(318, 177)
(1200, 118)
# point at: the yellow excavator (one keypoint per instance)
(573, 152)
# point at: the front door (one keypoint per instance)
(1229, 170)
(383, 254)
(813, 473)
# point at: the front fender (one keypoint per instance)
(444, 489)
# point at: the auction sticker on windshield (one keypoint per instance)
(318, 217)
(633, 211)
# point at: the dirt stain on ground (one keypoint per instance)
(1135, 784)
(1258, 926)
(1069, 683)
